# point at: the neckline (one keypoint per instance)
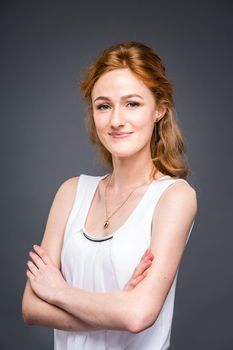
(94, 238)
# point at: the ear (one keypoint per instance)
(160, 112)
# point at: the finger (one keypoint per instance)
(29, 275)
(150, 255)
(37, 260)
(145, 254)
(142, 267)
(32, 267)
(137, 280)
(42, 254)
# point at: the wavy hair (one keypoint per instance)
(167, 145)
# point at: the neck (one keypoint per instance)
(129, 173)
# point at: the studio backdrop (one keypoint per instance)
(45, 48)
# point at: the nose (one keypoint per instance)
(117, 118)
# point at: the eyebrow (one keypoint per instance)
(122, 98)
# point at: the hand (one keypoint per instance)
(140, 271)
(45, 278)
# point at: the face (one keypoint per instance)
(124, 112)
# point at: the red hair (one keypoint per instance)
(167, 145)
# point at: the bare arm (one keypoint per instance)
(34, 309)
(39, 312)
(129, 310)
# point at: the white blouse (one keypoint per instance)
(106, 264)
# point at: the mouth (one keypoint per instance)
(120, 134)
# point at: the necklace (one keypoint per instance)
(108, 217)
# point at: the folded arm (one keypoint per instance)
(128, 310)
(37, 311)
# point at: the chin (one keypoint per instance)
(124, 153)
(121, 150)
(126, 150)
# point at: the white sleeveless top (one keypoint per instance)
(106, 264)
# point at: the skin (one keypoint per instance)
(120, 114)
(173, 216)
(37, 311)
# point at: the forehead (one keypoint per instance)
(119, 82)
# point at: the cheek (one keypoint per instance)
(144, 122)
(100, 123)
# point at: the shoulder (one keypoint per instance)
(68, 187)
(65, 195)
(173, 217)
(179, 198)
(180, 192)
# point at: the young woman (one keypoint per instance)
(93, 278)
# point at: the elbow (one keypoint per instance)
(28, 320)
(27, 314)
(31, 307)
(140, 320)
(27, 317)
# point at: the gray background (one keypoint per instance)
(45, 47)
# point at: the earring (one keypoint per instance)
(155, 131)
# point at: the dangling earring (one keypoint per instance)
(153, 142)
(155, 132)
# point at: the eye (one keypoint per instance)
(103, 107)
(133, 104)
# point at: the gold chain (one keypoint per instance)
(108, 217)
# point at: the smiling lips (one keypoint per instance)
(120, 134)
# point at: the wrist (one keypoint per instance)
(60, 296)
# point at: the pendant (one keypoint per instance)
(106, 224)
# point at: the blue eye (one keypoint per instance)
(133, 104)
(103, 107)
